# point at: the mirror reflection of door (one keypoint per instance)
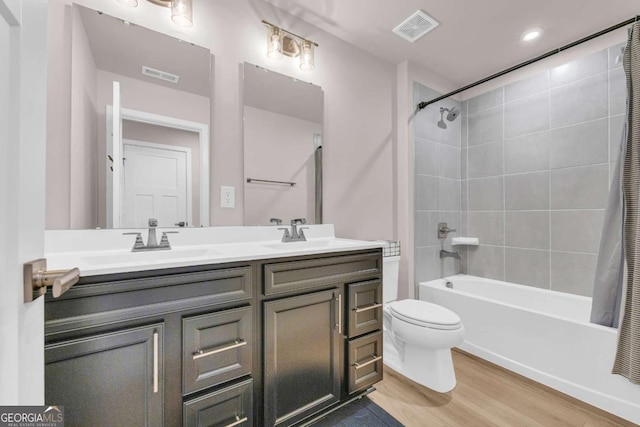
(155, 184)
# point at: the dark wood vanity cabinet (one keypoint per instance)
(307, 321)
(153, 348)
(258, 343)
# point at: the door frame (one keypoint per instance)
(165, 147)
(22, 195)
(201, 129)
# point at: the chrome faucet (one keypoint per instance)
(276, 221)
(296, 234)
(152, 241)
(447, 254)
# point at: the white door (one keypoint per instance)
(23, 91)
(156, 184)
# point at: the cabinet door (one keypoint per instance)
(231, 406)
(365, 307)
(302, 356)
(108, 379)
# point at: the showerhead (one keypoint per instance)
(452, 114)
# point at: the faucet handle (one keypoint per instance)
(153, 222)
(301, 235)
(164, 239)
(443, 230)
(299, 221)
(138, 243)
(286, 235)
(276, 221)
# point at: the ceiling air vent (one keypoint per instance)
(416, 26)
(162, 75)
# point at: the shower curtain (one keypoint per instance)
(617, 285)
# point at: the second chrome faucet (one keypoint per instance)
(295, 234)
(152, 240)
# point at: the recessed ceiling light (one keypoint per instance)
(531, 34)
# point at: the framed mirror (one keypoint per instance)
(139, 127)
(283, 119)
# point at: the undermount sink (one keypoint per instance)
(148, 256)
(310, 244)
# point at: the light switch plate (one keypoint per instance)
(227, 197)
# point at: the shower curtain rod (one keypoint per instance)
(423, 104)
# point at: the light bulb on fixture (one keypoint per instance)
(274, 43)
(182, 12)
(306, 56)
(128, 3)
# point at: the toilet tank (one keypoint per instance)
(390, 267)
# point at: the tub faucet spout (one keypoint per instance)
(447, 254)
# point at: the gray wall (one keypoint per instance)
(536, 156)
(437, 185)
(532, 179)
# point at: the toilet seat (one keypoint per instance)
(425, 314)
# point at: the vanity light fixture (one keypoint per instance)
(181, 10)
(281, 42)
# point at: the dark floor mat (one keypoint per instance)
(360, 412)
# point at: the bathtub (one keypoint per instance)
(541, 334)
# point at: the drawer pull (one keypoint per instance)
(369, 362)
(367, 308)
(238, 421)
(200, 353)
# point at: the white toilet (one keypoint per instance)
(418, 335)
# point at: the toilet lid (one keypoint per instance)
(425, 314)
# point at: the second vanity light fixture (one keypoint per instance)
(181, 10)
(281, 42)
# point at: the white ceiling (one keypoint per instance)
(476, 38)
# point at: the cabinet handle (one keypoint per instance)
(369, 362)
(155, 362)
(339, 301)
(200, 353)
(238, 421)
(369, 307)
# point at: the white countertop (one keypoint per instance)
(97, 252)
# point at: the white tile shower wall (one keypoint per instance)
(537, 156)
(437, 185)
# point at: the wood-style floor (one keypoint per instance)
(486, 395)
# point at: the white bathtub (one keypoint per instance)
(541, 334)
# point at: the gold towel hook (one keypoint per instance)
(37, 279)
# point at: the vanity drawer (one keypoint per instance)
(365, 361)
(365, 307)
(231, 406)
(216, 348)
(297, 275)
